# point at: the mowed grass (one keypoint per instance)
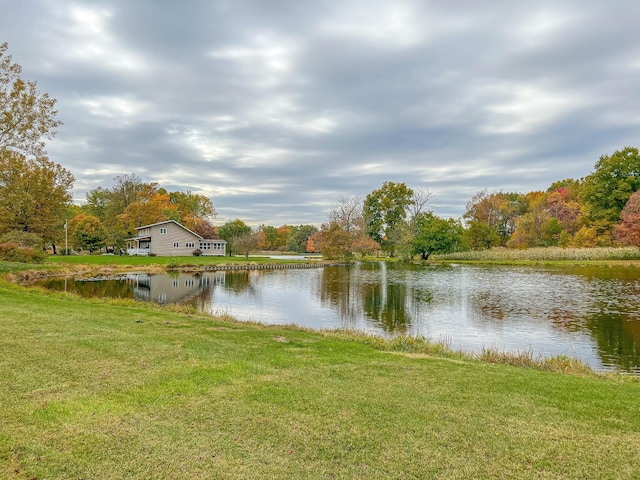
(99, 260)
(109, 390)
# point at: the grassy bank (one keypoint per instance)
(93, 389)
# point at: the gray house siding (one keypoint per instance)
(170, 240)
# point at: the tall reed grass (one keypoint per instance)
(425, 346)
(499, 254)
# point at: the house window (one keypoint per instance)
(190, 244)
(163, 230)
(205, 246)
(176, 244)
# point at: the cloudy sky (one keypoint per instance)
(276, 108)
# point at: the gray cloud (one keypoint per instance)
(274, 109)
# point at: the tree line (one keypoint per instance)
(598, 210)
(37, 212)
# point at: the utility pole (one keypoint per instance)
(66, 242)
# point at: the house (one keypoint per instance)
(171, 239)
(178, 288)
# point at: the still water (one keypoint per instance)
(592, 314)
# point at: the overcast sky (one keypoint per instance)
(274, 109)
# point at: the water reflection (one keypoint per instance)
(591, 314)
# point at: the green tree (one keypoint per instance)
(87, 232)
(384, 211)
(480, 236)
(608, 188)
(298, 237)
(436, 235)
(233, 230)
(27, 117)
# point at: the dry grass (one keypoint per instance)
(549, 254)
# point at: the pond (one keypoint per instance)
(592, 314)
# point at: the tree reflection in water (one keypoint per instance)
(588, 313)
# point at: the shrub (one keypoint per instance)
(197, 252)
(23, 239)
(13, 252)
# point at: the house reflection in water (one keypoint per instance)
(164, 289)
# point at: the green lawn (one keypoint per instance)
(146, 261)
(109, 390)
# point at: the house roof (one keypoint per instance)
(182, 226)
(168, 221)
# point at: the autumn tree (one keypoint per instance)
(108, 203)
(282, 235)
(347, 213)
(202, 227)
(27, 117)
(268, 239)
(537, 227)
(384, 211)
(311, 247)
(34, 191)
(246, 243)
(131, 203)
(87, 232)
(498, 211)
(333, 241)
(152, 205)
(195, 211)
(563, 200)
(628, 230)
(34, 195)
